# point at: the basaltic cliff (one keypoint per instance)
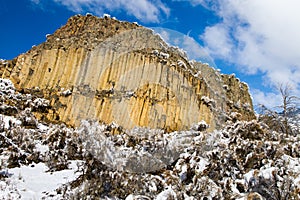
(113, 71)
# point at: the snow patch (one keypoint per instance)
(9, 121)
(106, 15)
(166, 194)
(34, 182)
(180, 63)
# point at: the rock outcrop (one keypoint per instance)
(113, 71)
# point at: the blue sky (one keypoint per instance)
(258, 40)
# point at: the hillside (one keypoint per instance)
(113, 71)
(244, 160)
(105, 109)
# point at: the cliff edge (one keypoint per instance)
(113, 71)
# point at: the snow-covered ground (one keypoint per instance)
(244, 160)
(35, 181)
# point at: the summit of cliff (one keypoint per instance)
(114, 71)
(86, 32)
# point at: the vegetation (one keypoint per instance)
(285, 120)
(243, 160)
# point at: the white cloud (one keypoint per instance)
(194, 2)
(257, 36)
(209, 4)
(218, 41)
(269, 99)
(193, 49)
(35, 1)
(272, 100)
(165, 35)
(143, 10)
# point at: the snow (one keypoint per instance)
(43, 149)
(34, 182)
(249, 156)
(166, 194)
(200, 126)
(183, 173)
(197, 74)
(208, 101)
(161, 54)
(226, 87)
(6, 87)
(164, 55)
(9, 120)
(267, 173)
(129, 94)
(180, 63)
(40, 102)
(66, 92)
(150, 163)
(201, 166)
(106, 15)
(155, 52)
(135, 197)
(152, 187)
(42, 127)
(8, 191)
(292, 163)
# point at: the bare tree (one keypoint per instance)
(279, 121)
(289, 104)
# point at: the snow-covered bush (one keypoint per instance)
(200, 126)
(66, 93)
(243, 160)
(28, 119)
(208, 101)
(164, 55)
(106, 147)
(129, 94)
(155, 52)
(180, 63)
(40, 102)
(6, 87)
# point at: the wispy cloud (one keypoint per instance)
(254, 35)
(257, 36)
(193, 49)
(194, 2)
(268, 99)
(35, 1)
(143, 10)
(218, 42)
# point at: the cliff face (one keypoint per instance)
(112, 71)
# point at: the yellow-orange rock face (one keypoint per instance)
(114, 71)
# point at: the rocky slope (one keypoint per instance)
(113, 71)
(245, 160)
